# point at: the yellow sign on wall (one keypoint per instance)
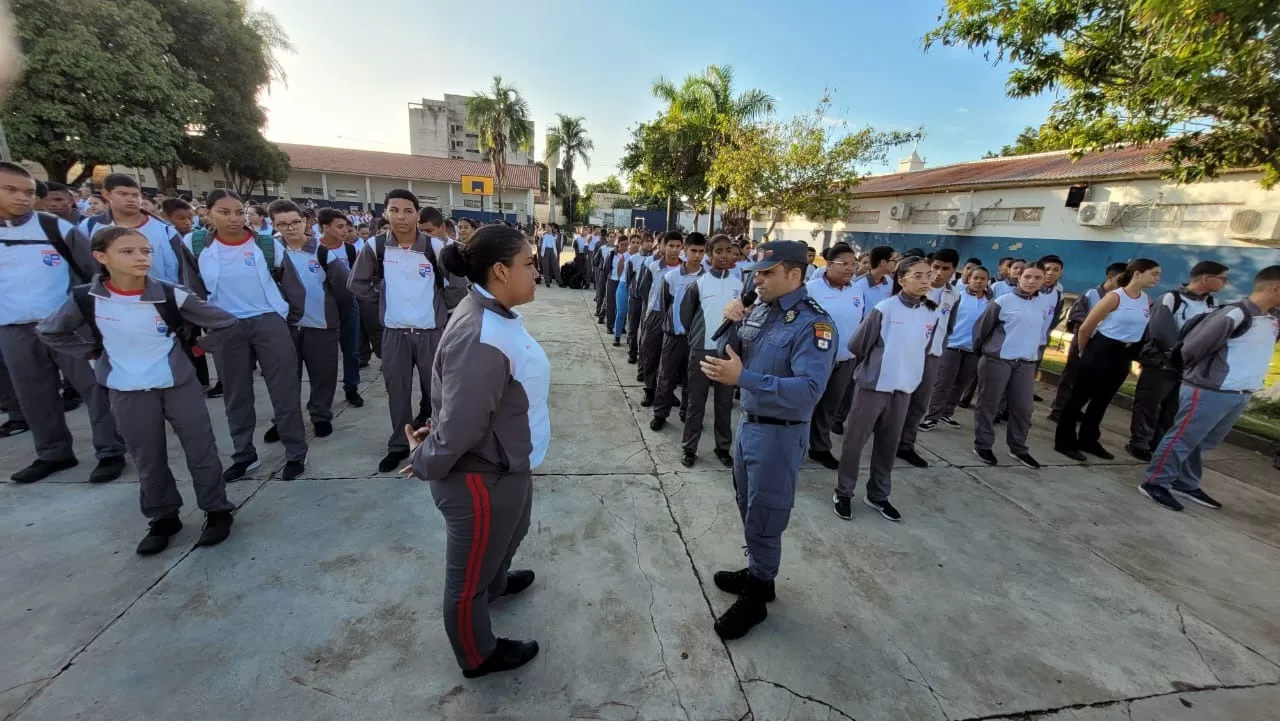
(477, 185)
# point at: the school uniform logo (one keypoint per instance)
(51, 258)
(250, 259)
(161, 328)
(424, 270)
(313, 265)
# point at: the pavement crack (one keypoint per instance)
(1031, 714)
(924, 681)
(806, 697)
(1182, 626)
(15, 687)
(325, 691)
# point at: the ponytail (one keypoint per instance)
(1135, 266)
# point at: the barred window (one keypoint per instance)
(469, 203)
(865, 216)
(1027, 215)
(1149, 217)
(1204, 213)
(305, 190)
(931, 217)
(994, 216)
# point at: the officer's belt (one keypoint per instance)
(768, 421)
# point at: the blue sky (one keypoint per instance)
(358, 65)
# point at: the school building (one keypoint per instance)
(1103, 208)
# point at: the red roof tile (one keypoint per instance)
(398, 165)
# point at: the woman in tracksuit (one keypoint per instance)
(492, 427)
(1109, 340)
(136, 323)
(835, 292)
(959, 364)
(889, 355)
(622, 274)
(945, 296)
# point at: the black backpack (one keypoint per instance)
(1175, 361)
(174, 323)
(322, 255)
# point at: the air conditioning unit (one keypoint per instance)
(899, 211)
(1099, 214)
(1254, 225)
(959, 220)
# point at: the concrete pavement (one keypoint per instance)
(1059, 594)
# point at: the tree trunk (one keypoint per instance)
(697, 214)
(773, 220)
(671, 211)
(57, 170)
(711, 218)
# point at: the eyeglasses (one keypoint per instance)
(840, 263)
(290, 226)
(918, 276)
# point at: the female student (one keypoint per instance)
(136, 323)
(959, 364)
(239, 270)
(491, 381)
(466, 228)
(622, 272)
(889, 352)
(834, 290)
(1109, 340)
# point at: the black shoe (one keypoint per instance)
(158, 533)
(910, 456)
(647, 400)
(324, 429)
(421, 419)
(725, 458)
(1141, 454)
(735, 582)
(657, 424)
(292, 469)
(391, 461)
(842, 507)
(354, 399)
(825, 458)
(1096, 449)
(364, 363)
(599, 321)
(950, 421)
(1160, 495)
(518, 581)
(1071, 453)
(633, 360)
(747, 611)
(107, 470)
(40, 470)
(272, 435)
(1002, 417)
(13, 428)
(688, 459)
(963, 404)
(838, 429)
(1025, 459)
(682, 415)
(217, 527)
(1199, 497)
(927, 425)
(885, 508)
(986, 456)
(639, 377)
(617, 342)
(1036, 397)
(215, 391)
(239, 470)
(1054, 417)
(506, 655)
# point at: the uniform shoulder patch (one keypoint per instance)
(823, 333)
(817, 308)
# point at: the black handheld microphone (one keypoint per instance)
(747, 299)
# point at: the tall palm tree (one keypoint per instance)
(501, 118)
(569, 138)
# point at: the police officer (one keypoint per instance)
(780, 356)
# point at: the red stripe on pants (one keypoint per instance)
(475, 561)
(1195, 398)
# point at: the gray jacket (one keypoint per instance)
(366, 281)
(1206, 361)
(337, 295)
(867, 346)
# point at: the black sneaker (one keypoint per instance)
(217, 527)
(910, 456)
(215, 391)
(986, 456)
(825, 458)
(1141, 454)
(633, 360)
(158, 533)
(1071, 453)
(324, 429)
(963, 404)
(71, 403)
(107, 470)
(40, 470)
(885, 508)
(292, 469)
(1096, 449)
(927, 425)
(837, 428)
(1160, 495)
(239, 470)
(13, 428)
(617, 342)
(689, 458)
(950, 421)
(1200, 497)
(391, 461)
(842, 507)
(1036, 397)
(1025, 459)
(647, 400)
(657, 424)
(518, 581)
(725, 458)
(735, 582)
(506, 655)
(272, 435)
(354, 399)
(1002, 417)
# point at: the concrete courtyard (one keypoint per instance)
(1005, 594)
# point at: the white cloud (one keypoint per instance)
(962, 110)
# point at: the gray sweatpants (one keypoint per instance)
(1204, 419)
(403, 350)
(318, 350)
(673, 370)
(876, 413)
(8, 397)
(33, 370)
(486, 517)
(267, 338)
(695, 407)
(919, 403)
(550, 265)
(610, 304)
(650, 348)
(956, 370)
(601, 280)
(1011, 382)
(826, 412)
(146, 437)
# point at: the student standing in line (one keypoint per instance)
(1225, 356)
(1010, 334)
(549, 249)
(466, 228)
(622, 270)
(600, 276)
(1119, 319)
(41, 257)
(612, 278)
(1052, 274)
(182, 217)
(582, 250)
(874, 286)
(135, 322)
(1012, 278)
(651, 327)
(1076, 314)
(812, 271)
(673, 363)
(1155, 402)
(834, 291)
(944, 297)
(124, 199)
(959, 363)
(701, 311)
(889, 351)
(639, 284)
(239, 269)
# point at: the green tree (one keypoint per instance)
(665, 160)
(568, 139)
(101, 85)
(1206, 72)
(1033, 140)
(610, 184)
(500, 117)
(623, 204)
(256, 161)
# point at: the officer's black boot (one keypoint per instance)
(747, 611)
(735, 582)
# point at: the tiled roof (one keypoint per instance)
(398, 165)
(1038, 169)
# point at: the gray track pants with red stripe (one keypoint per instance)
(486, 517)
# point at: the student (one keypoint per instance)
(959, 363)
(600, 264)
(1076, 314)
(612, 277)
(1155, 402)
(651, 327)
(639, 284)
(134, 324)
(1012, 276)
(673, 364)
(1119, 319)
(59, 201)
(180, 215)
(701, 312)
(622, 272)
(963, 276)
(1225, 356)
(41, 257)
(466, 228)
(944, 297)
(812, 271)
(549, 249)
(431, 221)
(398, 272)
(889, 351)
(582, 250)
(1010, 334)
(124, 197)
(344, 252)
(873, 287)
(258, 221)
(98, 205)
(835, 292)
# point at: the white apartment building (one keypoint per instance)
(438, 128)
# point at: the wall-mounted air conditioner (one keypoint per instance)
(1254, 225)
(959, 220)
(1099, 214)
(899, 211)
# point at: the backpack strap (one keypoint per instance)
(322, 255)
(351, 254)
(53, 233)
(436, 270)
(85, 303)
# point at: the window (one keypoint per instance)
(1027, 215)
(865, 217)
(220, 184)
(1206, 213)
(1163, 216)
(931, 217)
(1004, 216)
(472, 150)
(468, 203)
(347, 194)
(520, 208)
(307, 190)
(508, 206)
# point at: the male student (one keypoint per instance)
(701, 312)
(639, 283)
(651, 326)
(549, 252)
(169, 260)
(673, 365)
(59, 201)
(582, 250)
(876, 285)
